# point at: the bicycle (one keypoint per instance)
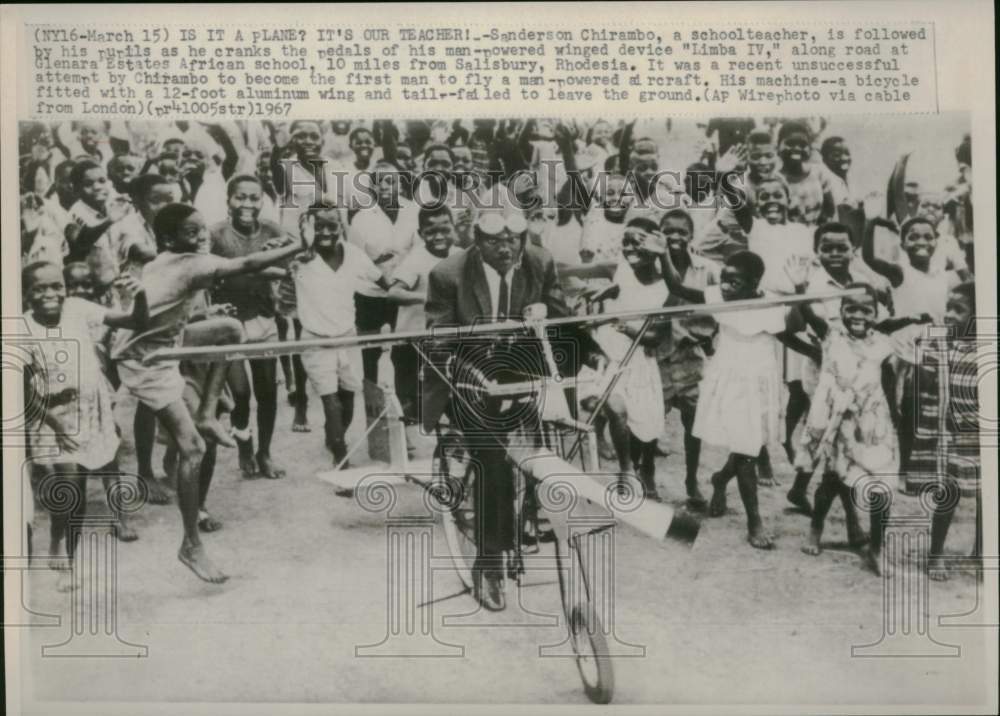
(455, 483)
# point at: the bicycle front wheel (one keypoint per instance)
(454, 472)
(592, 658)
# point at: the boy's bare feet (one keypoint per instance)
(69, 580)
(267, 468)
(717, 506)
(208, 523)
(156, 494)
(765, 474)
(873, 561)
(936, 569)
(58, 562)
(123, 531)
(812, 547)
(695, 500)
(300, 426)
(212, 430)
(247, 462)
(760, 539)
(194, 557)
(857, 539)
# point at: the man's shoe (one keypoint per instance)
(489, 589)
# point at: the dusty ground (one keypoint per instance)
(719, 623)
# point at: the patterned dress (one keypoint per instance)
(68, 375)
(946, 439)
(849, 428)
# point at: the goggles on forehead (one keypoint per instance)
(494, 224)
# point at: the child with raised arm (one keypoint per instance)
(739, 398)
(918, 287)
(682, 359)
(173, 281)
(64, 375)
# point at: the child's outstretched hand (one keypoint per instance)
(66, 442)
(128, 285)
(798, 273)
(728, 162)
(118, 208)
(307, 230)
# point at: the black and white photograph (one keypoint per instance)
(533, 408)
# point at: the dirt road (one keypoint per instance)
(719, 623)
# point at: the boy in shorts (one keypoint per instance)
(325, 283)
(172, 282)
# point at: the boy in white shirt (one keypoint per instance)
(409, 290)
(325, 284)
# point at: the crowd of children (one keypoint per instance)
(139, 236)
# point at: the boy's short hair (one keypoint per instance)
(322, 206)
(70, 266)
(678, 213)
(758, 137)
(297, 122)
(870, 290)
(28, 273)
(645, 146)
(439, 148)
(80, 170)
(913, 221)
(794, 127)
(390, 163)
(140, 187)
(231, 186)
(749, 263)
(120, 158)
(430, 212)
(829, 143)
(356, 131)
(773, 179)
(831, 227)
(168, 220)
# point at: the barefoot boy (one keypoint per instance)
(172, 281)
(325, 284)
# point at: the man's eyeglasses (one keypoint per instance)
(497, 240)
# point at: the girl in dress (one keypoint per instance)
(739, 396)
(952, 372)
(73, 432)
(849, 432)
